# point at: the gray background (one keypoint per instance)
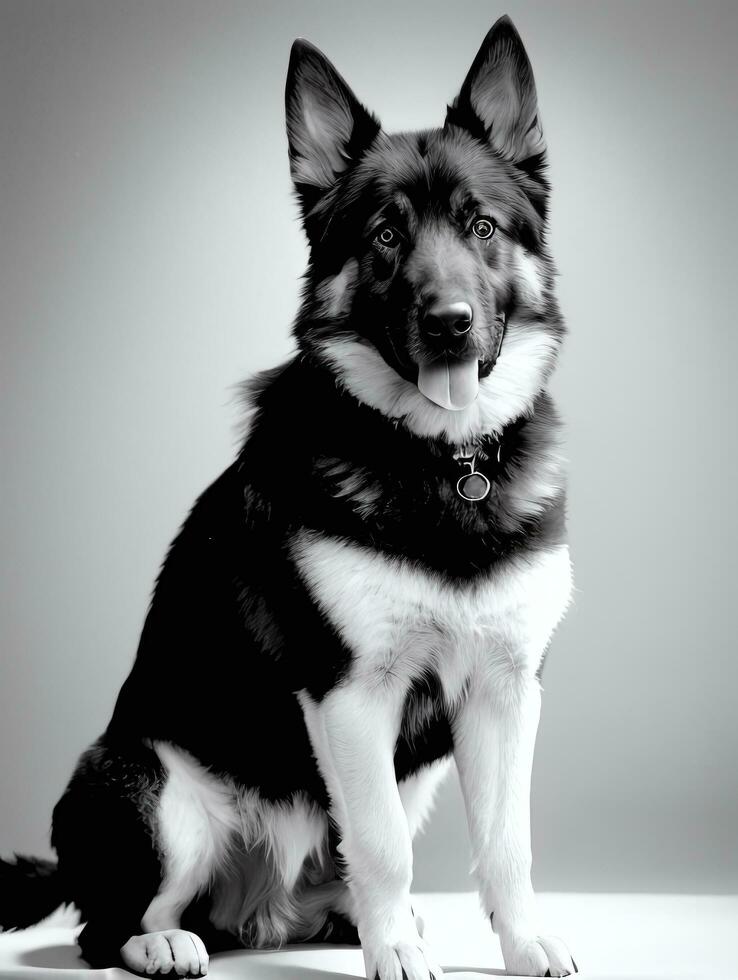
(150, 260)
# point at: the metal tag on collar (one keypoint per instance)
(472, 486)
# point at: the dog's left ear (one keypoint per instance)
(498, 103)
(327, 127)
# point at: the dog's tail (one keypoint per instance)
(30, 890)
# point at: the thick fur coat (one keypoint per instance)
(336, 620)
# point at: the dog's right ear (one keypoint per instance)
(327, 127)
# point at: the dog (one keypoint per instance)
(368, 591)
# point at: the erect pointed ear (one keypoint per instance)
(327, 127)
(498, 103)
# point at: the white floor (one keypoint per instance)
(612, 937)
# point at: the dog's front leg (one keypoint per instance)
(494, 738)
(353, 732)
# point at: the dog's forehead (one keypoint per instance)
(434, 170)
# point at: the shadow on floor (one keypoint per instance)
(54, 957)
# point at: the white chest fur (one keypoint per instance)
(401, 622)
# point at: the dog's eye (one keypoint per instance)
(387, 237)
(483, 227)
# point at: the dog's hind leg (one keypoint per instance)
(138, 833)
(103, 835)
(195, 821)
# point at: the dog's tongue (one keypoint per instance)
(450, 382)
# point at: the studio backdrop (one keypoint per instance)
(150, 260)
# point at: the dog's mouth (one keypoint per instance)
(450, 381)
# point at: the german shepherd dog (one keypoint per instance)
(368, 590)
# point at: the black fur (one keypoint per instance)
(103, 833)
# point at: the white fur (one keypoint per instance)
(529, 278)
(291, 831)
(168, 951)
(205, 825)
(526, 357)
(487, 637)
(400, 621)
(195, 819)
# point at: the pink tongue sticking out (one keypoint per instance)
(450, 382)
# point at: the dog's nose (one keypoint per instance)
(446, 322)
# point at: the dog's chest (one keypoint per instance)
(402, 624)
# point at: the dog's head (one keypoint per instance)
(429, 291)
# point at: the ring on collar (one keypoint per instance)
(473, 486)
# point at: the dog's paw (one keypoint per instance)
(172, 951)
(536, 956)
(404, 960)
